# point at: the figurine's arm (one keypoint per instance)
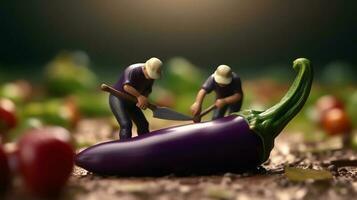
(196, 107)
(228, 100)
(142, 100)
(233, 98)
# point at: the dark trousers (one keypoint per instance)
(220, 112)
(124, 113)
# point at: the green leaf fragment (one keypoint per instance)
(299, 174)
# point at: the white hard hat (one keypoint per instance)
(223, 75)
(153, 67)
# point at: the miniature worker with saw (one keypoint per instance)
(137, 80)
(228, 88)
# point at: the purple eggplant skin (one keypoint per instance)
(237, 142)
(208, 147)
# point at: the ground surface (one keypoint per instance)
(268, 182)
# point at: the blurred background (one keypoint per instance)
(55, 54)
(248, 35)
(60, 51)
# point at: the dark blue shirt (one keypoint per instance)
(134, 76)
(235, 86)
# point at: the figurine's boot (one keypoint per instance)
(125, 133)
(144, 128)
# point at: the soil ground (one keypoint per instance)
(266, 182)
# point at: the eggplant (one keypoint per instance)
(237, 142)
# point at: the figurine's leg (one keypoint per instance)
(235, 107)
(219, 112)
(119, 110)
(140, 121)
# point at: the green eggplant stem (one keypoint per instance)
(269, 123)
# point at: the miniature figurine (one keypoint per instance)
(228, 88)
(137, 80)
(234, 143)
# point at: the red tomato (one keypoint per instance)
(335, 121)
(4, 171)
(55, 131)
(8, 118)
(45, 162)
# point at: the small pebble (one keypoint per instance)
(326, 163)
(184, 189)
(229, 175)
(342, 171)
(332, 168)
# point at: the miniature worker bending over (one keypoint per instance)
(228, 89)
(137, 80)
